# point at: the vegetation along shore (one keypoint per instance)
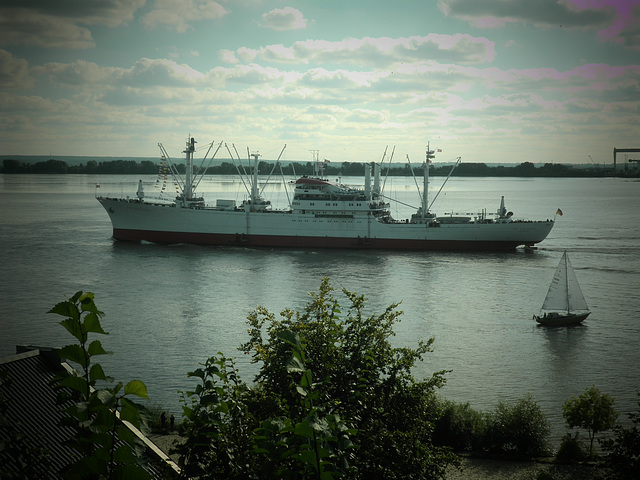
(148, 167)
(332, 399)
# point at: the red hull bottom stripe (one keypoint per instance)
(309, 242)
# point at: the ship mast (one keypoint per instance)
(188, 184)
(425, 197)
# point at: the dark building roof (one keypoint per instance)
(32, 439)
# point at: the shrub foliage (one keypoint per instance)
(520, 429)
(623, 448)
(332, 399)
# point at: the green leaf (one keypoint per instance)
(87, 303)
(95, 348)
(106, 396)
(304, 429)
(309, 458)
(79, 384)
(76, 296)
(295, 365)
(117, 388)
(92, 324)
(129, 412)
(305, 381)
(97, 373)
(289, 337)
(196, 373)
(125, 434)
(66, 309)
(74, 353)
(103, 423)
(136, 387)
(123, 454)
(73, 327)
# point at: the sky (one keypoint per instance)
(493, 81)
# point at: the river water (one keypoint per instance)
(170, 307)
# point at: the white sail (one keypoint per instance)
(564, 292)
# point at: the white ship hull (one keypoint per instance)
(134, 220)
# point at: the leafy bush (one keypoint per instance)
(459, 426)
(216, 424)
(517, 429)
(592, 411)
(571, 449)
(225, 439)
(623, 449)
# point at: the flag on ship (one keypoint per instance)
(559, 212)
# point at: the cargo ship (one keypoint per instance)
(320, 214)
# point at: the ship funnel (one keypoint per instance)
(376, 179)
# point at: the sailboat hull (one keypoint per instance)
(561, 319)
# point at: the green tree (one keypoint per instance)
(369, 381)
(592, 411)
(50, 166)
(106, 446)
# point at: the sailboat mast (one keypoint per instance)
(566, 279)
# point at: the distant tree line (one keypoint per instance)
(146, 167)
(59, 166)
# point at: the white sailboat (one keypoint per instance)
(564, 303)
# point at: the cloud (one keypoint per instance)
(14, 72)
(280, 19)
(145, 73)
(161, 72)
(80, 74)
(319, 85)
(618, 20)
(625, 30)
(178, 14)
(381, 52)
(541, 13)
(60, 24)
